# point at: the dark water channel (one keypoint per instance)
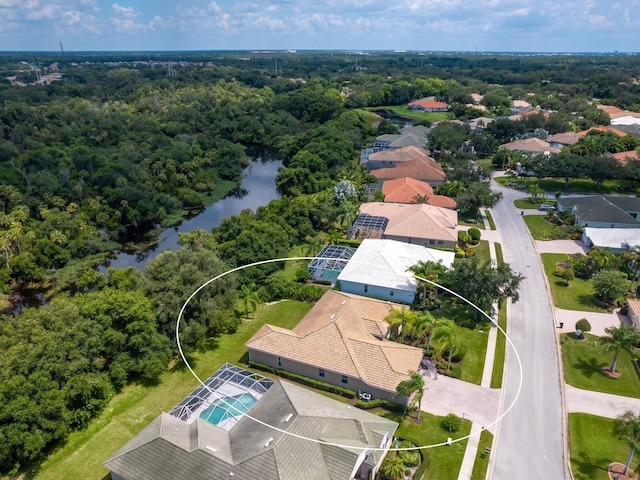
(258, 188)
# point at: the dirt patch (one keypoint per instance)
(609, 373)
(615, 472)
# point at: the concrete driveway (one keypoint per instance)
(560, 246)
(598, 321)
(596, 403)
(444, 395)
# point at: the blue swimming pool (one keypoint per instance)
(223, 409)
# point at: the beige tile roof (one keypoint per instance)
(634, 306)
(624, 157)
(338, 334)
(420, 169)
(415, 220)
(566, 138)
(530, 145)
(403, 154)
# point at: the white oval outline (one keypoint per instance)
(423, 447)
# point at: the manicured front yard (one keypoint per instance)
(527, 204)
(542, 230)
(593, 447)
(444, 462)
(404, 111)
(475, 340)
(501, 345)
(584, 361)
(579, 296)
(133, 408)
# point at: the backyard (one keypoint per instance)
(137, 405)
(404, 111)
(593, 447)
(579, 296)
(583, 363)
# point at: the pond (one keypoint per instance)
(258, 188)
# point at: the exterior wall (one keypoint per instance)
(116, 477)
(376, 291)
(330, 377)
(425, 242)
(635, 319)
(582, 223)
(375, 164)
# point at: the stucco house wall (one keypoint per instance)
(330, 377)
(375, 291)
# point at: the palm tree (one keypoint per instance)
(401, 318)
(632, 257)
(620, 338)
(429, 271)
(602, 256)
(392, 467)
(423, 327)
(445, 335)
(412, 388)
(627, 428)
(420, 198)
(249, 297)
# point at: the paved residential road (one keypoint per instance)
(530, 440)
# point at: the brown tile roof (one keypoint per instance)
(624, 157)
(606, 128)
(338, 334)
(566, 138)
(428, 104)
(420, 169)
(417, 220)
(405, 190)
(530, 145)
(403, 154)
(609, 109)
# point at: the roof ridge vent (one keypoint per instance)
(288, 417)
(266, 445)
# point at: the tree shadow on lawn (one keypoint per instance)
(591, 301)
(588, 467)
(590, 366)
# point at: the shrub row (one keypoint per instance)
(309, 382)
(379, 402)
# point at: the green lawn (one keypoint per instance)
(404, 111)
(501, 345)
(584, 185)
(444, 462)
(137, 405)
(482, 251)
(593, 447)
(472, 222)
(474, 339)
(482, 458)
(527, 204)
(583, 363)
(579, 296)
(542, 230)
(492, 223)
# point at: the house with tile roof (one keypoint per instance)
(410, 190)
(606, 128)
(626, 120)
(633, 306)
(391, 158)
(530, 145)
(477, 125)
(625, 157)
(416, 136)
(287, 433)
(602, 211)
(341, 341)
(423, 169)
(419, 224)
(428, 105)
(565, 139)
(379, 269)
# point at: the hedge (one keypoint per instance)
(309, 382)
(379, 402)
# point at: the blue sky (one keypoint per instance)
(496, 25)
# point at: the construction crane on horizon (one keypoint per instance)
(61, 49)
(33, 68)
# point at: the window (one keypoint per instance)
(432, 242)
(345, 380)
(366, 288)
(440, 242)
(279, 362)
(321, 372)
(391, 293)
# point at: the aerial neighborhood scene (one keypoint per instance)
(319, 240)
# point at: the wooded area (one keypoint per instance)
(102, 159)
